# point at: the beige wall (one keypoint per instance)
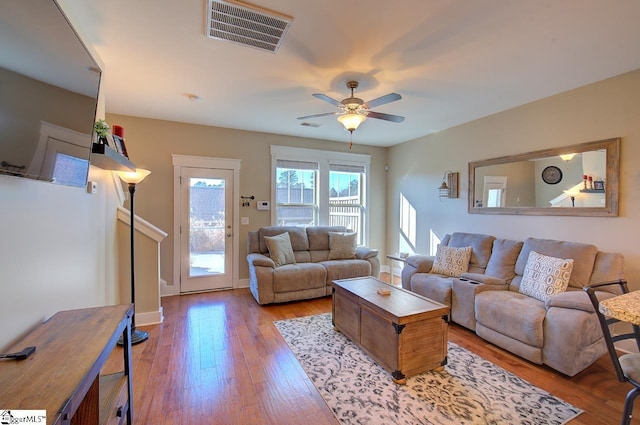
(610, 108)
(57, 250)
(520, 185)
(26, 102)
(147, 271)
(151, 143)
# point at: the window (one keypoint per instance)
(70, 170)
(346, 200)
(408, 226)
(324, 188)
(296, 193)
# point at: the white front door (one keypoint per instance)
(495, 191)
(206, 229)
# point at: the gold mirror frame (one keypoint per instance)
(612, 147)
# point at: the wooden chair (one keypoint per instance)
(626, 365)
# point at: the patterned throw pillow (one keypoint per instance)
(451, 261)
(342, 246)
(280, 249)
(545, 276)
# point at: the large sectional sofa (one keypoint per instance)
(559, 330)
(315, 263)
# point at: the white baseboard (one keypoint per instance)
(149, 318)
(243, 283)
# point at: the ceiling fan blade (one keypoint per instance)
(386, 117)
(327, 99)
(387, 98)
(317, 115)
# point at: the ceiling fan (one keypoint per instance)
(353, 110)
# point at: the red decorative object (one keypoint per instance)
(116, 130)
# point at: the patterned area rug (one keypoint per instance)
(470, 390)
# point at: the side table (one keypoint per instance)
(398, 258)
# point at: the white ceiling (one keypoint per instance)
(452, 61)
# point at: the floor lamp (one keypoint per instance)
(132, 178)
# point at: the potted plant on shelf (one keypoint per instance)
(102, 130)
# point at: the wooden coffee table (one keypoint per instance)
(403, 332)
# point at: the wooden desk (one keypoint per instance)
(63, 375)
(625, 307)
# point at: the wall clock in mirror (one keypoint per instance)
(552, 175)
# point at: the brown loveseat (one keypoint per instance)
(311, 274)
(561, 332)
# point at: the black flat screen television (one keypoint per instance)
(48, 94)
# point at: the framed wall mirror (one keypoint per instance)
(576, 180)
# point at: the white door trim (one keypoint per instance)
(204, 162)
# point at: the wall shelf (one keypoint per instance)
(104, 157)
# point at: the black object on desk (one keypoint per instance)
(20, 355)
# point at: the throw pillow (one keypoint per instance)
(280, 249)
(545, 276)
(451, 261)
(342, 246)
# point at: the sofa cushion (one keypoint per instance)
(545, 276)
(502, 262)
(346, 269)
(609, 266)
(583, 254)
(298, 236)
(342, 246)
(480, 248)
(575, 300)
(318, 236)
(299, 277)
(280, 250)
(515, 315)
(451, 261)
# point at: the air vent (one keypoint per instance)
(247, 25)
(310, 124)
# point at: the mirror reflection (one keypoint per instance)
(573, 180)
(49, 94)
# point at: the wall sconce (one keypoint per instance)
(449, 187)
(246, 200)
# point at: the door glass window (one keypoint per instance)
(207, 226)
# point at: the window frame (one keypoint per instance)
(324, 159)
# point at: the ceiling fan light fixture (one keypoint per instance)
(351, 121)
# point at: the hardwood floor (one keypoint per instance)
(218, 359)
